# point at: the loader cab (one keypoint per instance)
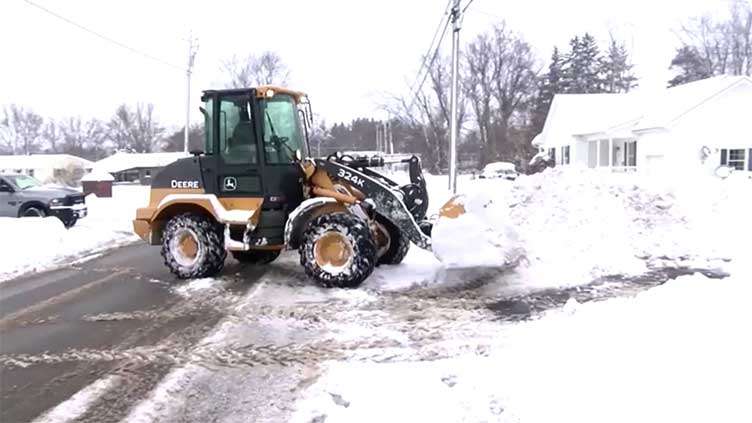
(253, 139)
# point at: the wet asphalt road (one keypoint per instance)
(50, 313)
(245, 346)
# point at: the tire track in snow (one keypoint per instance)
(74, 407)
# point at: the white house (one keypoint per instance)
(695, 127)
(47, 167)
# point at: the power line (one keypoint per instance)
(428, 54)
(103, 37)
(428, 63)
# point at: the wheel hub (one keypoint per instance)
(185, 247)
(333, 249)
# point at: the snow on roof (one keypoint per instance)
(583, 114)
(662, 109)
(97, 175)
(500, 166)
(121, 161)
(42, 161)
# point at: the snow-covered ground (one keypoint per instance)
(33, 244)
(675, 352)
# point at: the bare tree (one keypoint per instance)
(514, 78)
(21, 130)
(83, 138)
(134, 130)
(251, 71)
(477, 86)
(51, 136)
(726, 45)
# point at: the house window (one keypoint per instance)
(565, 154)
(552, 154)
(736, 159)
(30, 172)
(630, 153)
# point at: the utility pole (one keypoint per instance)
(391, 136)
(192, 50)
(456, 24)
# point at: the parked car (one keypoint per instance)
(24, 196)
(504, 170)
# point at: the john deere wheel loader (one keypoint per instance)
(252, 193)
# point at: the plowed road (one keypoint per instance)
(119, 339)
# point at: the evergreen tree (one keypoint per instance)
(690, 65)
(616, 69)
(581, 71)
(549, 85)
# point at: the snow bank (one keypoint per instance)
(34, 244)
(567, 227)
(677, 352)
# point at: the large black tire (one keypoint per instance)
(399, 244)
(33, 211)
(187, 232)
(256, 256)
(347, 267)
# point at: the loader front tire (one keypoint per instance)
(256, 256)
(399, 244)
(337, 250)
(193, 246)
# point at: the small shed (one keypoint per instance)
(99, 183)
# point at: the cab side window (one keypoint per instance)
(237, 142)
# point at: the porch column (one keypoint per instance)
(610, 152)
(598, 154)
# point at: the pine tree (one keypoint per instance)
(581, 70)
(690, 65)
(549, 85)
(616, 69)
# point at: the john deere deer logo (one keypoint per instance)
(231, 184)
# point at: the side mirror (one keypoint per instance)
(6, 188)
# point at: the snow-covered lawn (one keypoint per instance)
(34, 244)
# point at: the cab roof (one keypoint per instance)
(261, 91)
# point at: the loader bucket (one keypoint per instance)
(472, 231)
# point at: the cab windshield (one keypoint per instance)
(22, 181)
(282, 131)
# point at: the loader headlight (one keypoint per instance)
(57, 202)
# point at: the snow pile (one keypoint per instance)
(480, 236)
(34, 244)
(677, 352)
(579, 225)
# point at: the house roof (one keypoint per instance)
(121, 161)
(666, 107)
(583, 114)
(42, 161)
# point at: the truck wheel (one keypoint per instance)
(337, 250)
(399, 244)
(33, 211)
(193, 246)
(256, 256)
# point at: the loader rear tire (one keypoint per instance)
(193, 246)
(256, 256)
(337, 250)
(399, 244)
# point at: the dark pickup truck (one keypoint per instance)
(24, 196)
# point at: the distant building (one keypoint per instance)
(62, 168)
(696, 127)
(136, 167)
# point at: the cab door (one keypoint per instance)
(237, 157)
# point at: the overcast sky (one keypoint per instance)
(345, 54)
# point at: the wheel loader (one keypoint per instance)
(254, 192)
